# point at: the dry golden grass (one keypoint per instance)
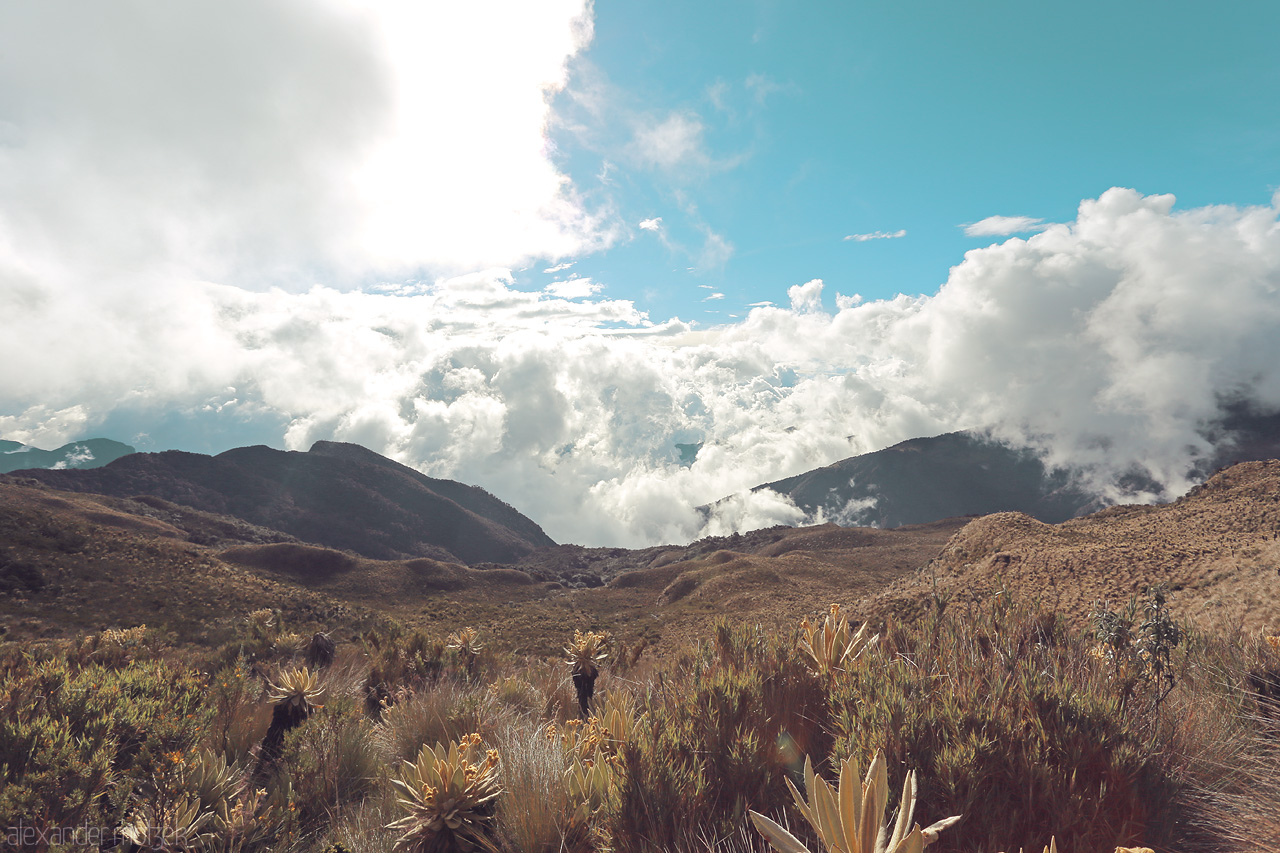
(100, 567)
(106, 562)
(1216, 549)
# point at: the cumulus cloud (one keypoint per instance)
(1108, 344)
(877, 235)
(1002, 226)
(654, 224)
(263, 141)
(806, 298)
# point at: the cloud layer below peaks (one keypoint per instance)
(1108, 343)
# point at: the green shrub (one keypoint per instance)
(1010, 722)
(719, 738)
(333, 762)
(75, 741)
(399, 662)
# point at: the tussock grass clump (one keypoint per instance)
(536, 813)
(333, 762)
(440, 713)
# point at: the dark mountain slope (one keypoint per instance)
(926, 479)
(473, 498)
(334, 495)
(964, 473)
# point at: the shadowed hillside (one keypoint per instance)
(964, 473)
(926, 479)
(1216, 548)
(341, 496)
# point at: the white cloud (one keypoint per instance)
(877, 235)
(806, 298)
(573, 288)
(1108, 342)
(712, 296)
(269, 141)
(1003, 226)
(654, 224)
(676, 140)
(558, 268)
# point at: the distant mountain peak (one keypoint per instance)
(87, 453)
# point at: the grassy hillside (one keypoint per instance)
(149, 677)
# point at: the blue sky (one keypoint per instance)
(806, 123)
(542, 247)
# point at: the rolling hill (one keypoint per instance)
(1217, 549)
(335, 495)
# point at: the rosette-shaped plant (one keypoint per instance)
(466, 642)
(849, 819)
(295, 694)
(592, 751)
(167, 824)
(211, 779)
(585, 654)
(297, 689)
(831, 645)
(448, 794)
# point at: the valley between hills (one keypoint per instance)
(341, 536)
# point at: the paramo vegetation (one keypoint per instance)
(985, 728)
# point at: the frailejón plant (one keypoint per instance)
(585, 654)
(448, 794)
(466, 642)
(848, 819)
(831, 645)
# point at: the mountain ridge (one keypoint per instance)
(968, 473)
(331, 496)
(86, 453)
